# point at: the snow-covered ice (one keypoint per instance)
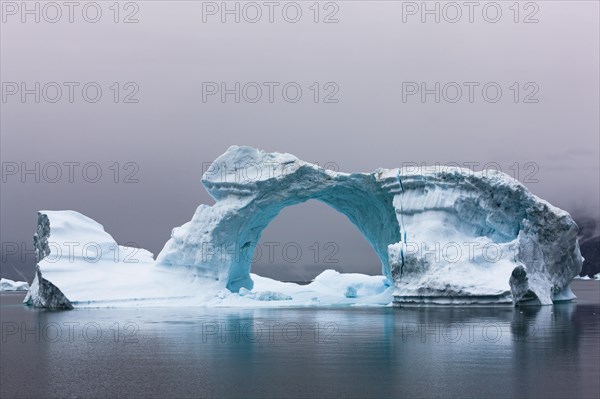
(449, 236)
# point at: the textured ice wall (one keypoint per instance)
(466, 232)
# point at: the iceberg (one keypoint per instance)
(596, 277)
(10, 285)
(443, 236)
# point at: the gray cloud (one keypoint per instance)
(170, 133)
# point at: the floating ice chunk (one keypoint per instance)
(10, 285)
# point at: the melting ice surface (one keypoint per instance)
(432, 230)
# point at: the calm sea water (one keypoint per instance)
(350, 352)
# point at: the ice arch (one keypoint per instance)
(251, 188)
(431, 229)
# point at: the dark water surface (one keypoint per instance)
(349, 352)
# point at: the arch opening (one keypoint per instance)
(306, 239)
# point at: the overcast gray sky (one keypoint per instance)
(358, 68)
